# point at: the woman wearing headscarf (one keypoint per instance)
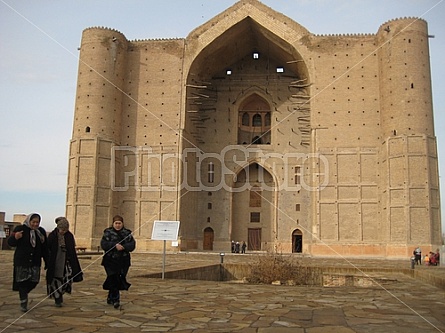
(117, 243)
(63, 265)
(29, 240)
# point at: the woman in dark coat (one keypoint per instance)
(63, 265)
(29, 240)
(117, 243)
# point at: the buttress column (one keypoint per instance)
(409, 165)
(96, 129)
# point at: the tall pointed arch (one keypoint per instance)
(254, 208)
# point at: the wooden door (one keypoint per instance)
(254, 239)
(207, 243)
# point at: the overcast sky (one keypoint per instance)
(39, 61)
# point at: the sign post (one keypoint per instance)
(165, 230)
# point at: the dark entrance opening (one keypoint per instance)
(297, 241)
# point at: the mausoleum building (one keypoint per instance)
(254, 129)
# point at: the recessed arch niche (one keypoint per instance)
(254, 119)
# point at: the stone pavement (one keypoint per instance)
(163, 305)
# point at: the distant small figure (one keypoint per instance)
(418, 255)
(243, 247)
(237, 247)
(438, 257)
(432, 259)
(233, 246)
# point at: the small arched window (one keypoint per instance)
(87, 129)
(245, 120)
(257, 120)
(211, 172)
(267, 121)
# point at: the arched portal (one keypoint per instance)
(241, 88)
(207, 243)
(254, 211)
(297, 241)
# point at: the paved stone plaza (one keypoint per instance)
(163, 305)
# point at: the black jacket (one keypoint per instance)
(25, 255)
(112, 257)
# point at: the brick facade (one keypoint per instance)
(252, 128)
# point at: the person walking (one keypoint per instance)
(117, 243)
(63, 264)
(30, 242)
(243, 247)
(418, 255)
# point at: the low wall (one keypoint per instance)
(206, 273)
(237, 272)
(427, 277)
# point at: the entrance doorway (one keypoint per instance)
(297, 241)
(207, 243)
(254, 239)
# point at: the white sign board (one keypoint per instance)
(165, 230)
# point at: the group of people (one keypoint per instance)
(432, 259)
(239, 248)
(58, 252)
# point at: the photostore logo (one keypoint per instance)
(147, 169)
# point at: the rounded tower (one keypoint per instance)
(96, 130)
(405, 78)
(100, 84)
(409, 166)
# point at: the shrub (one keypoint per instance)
(269, 268)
